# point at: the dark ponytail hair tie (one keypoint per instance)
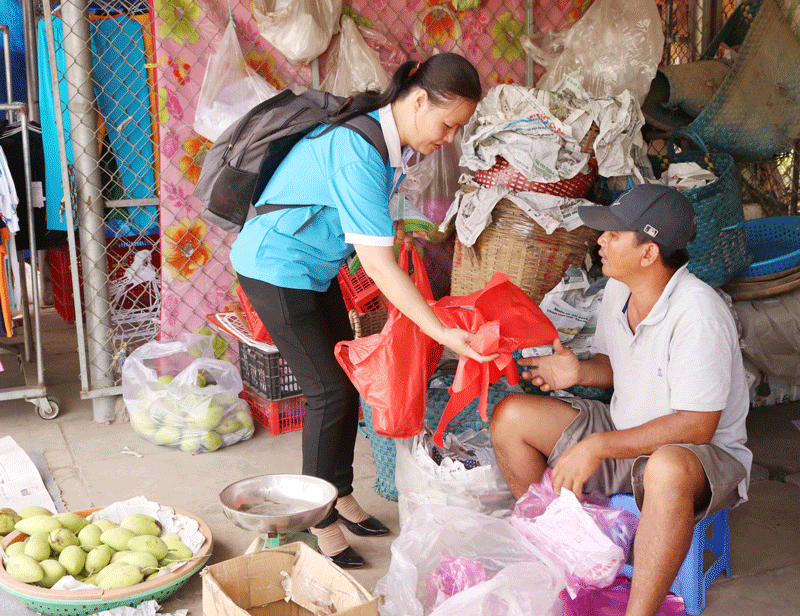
(414, 70)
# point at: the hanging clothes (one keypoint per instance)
(11, 144)
(5, 294)
(122, 90)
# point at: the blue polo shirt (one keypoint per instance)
(343, 175)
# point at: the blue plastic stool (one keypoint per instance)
(692, 579)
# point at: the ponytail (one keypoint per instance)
(445, 77)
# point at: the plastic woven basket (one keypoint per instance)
(720, 251)
(83, 603)
(384, 451)
(503, 173)
(775, 243)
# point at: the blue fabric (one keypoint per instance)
(122, 92)
(11, 15)
(340, 170)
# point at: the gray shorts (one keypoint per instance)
(723, 471)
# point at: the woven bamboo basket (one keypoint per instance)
(515, 244)
(368, 323)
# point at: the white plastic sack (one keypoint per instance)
(505, 554)
(300, 29)
(353, 66)
(179, 395)
(616, 46)
(230, 88)
(420, 481)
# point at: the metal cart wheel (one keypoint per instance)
(46, 408)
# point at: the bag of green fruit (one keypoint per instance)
(178, 394)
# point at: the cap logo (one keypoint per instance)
(650, 230)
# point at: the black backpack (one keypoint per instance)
(242, 160)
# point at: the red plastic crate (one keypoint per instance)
(119, 252)
(277, 416)
(359, 291)
(256, 326)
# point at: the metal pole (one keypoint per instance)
(65, 174)
(31, 57)
(91, 206)
(529, 30)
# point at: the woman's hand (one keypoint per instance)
(459, 341)
(400, 235)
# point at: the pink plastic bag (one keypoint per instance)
(589, 541)
(452, 576)
(613, 600)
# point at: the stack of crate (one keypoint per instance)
(270, 388)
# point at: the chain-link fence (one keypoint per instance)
(128, 75)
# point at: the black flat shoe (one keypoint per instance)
(349, 559)
(371, 527)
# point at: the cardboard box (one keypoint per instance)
(259, 584)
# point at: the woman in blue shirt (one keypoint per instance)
(287, 260)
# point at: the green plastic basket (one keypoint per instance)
(90, 602)
(53, 607)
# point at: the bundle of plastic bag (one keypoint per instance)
(179, 395)
(300, 29)
(353, 66)
(230, 88)
(616, 46)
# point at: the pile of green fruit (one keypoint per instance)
(188, 418)
(101, 553)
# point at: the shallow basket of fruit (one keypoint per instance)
(128, 563)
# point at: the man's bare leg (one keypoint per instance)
(675, 484)
(524, 430)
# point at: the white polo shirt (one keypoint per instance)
(684, 356)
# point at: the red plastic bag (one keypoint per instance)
(503, 319)
(391, 369)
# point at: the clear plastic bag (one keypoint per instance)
(353, 66)
(179, 395)
(616, 46)
(230, 88)
(300, 29)
(507, 557)
(422, 481)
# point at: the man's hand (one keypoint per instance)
(575, 466)
(550, 372)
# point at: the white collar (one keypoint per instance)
(391, 136)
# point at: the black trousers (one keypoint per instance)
(305, 326)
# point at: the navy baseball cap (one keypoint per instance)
(662, 213)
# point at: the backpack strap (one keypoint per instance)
(366, 126)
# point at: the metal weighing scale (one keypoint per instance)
(278, 507)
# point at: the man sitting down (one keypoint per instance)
(674, 432)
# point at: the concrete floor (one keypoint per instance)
(87, 463)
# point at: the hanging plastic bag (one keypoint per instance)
(507, 558)
(589, 541)
(391, 369)
(616, 46)
(390, 54)
(353, 66)
(300, 29)
(179, 395)
(230, 88)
